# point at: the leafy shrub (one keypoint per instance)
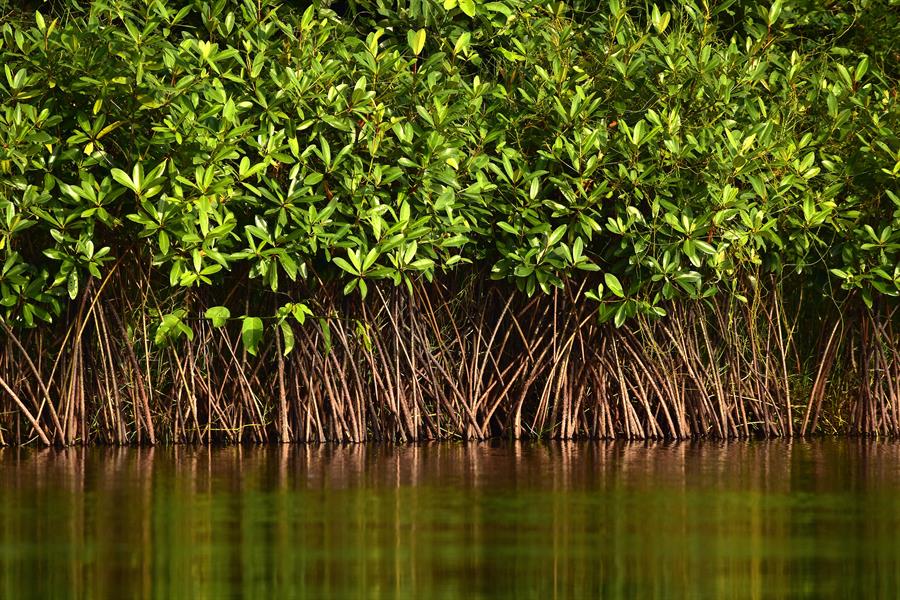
(653, 152)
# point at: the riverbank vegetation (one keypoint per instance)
(444, 219)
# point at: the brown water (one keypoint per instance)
(578, 520)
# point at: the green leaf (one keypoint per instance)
(660, 21)
(163, 242)
(612, 282)
(218, 315)
(595, 295)
(416, 40)
(462, 43)
(287, 333)
(774, 12)
(468, 7)
(300, 311)
(171, 327)
(122, 177)
(228, 111)
(621, 314)
(422, 264)
(72, 284)
(861, 69)
(840, 273)
(326, 334)
(345, 265)
(557, 235)
(251, 334)
(845, 75)
(370, 259)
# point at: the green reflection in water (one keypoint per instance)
(575, 520)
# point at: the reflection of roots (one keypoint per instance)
(470, 362)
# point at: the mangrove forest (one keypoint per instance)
(231, 221)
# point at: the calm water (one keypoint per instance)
(748, 520)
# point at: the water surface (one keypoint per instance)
(575, 520)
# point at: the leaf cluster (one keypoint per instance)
(652, 151)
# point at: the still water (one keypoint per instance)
(578, 520)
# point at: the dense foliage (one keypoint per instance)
(675, 150)
(715, 181)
